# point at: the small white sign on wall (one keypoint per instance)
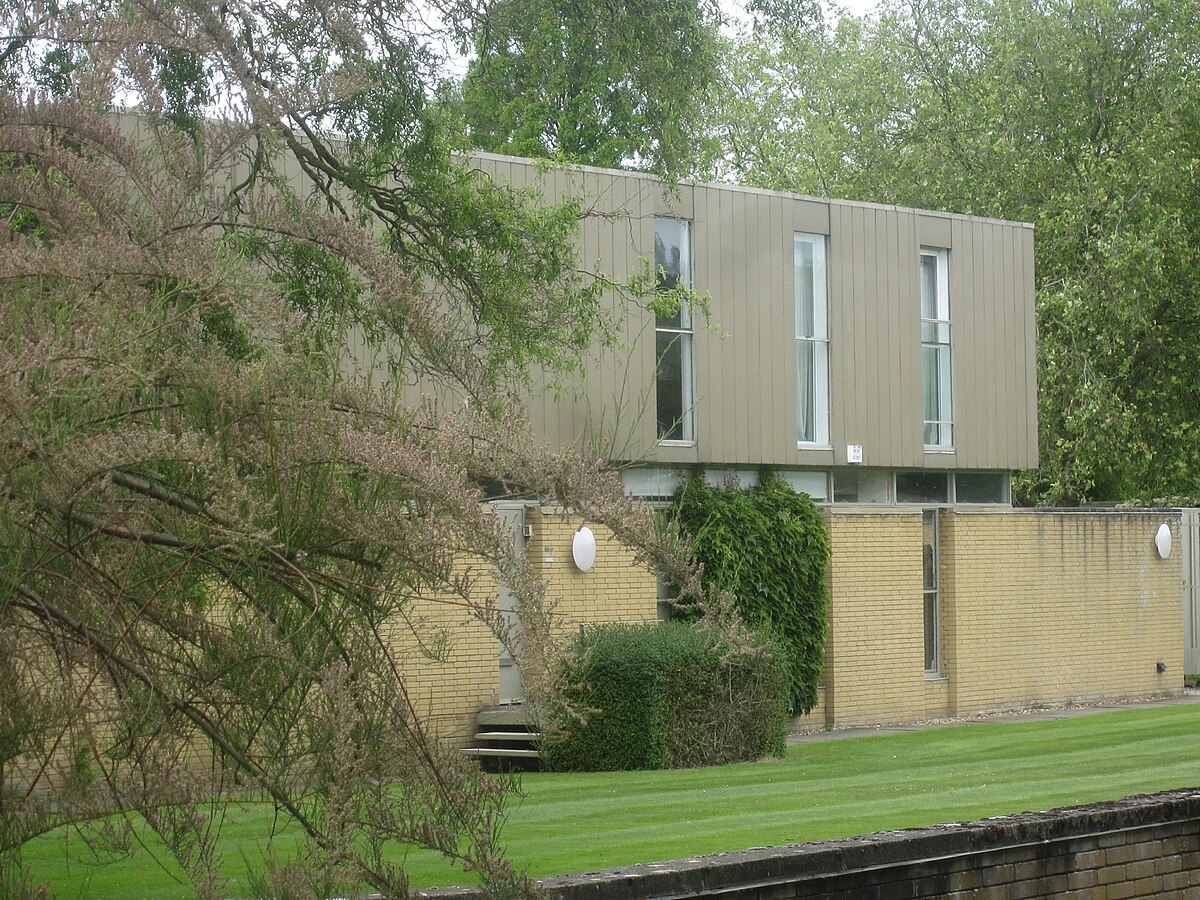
(854, 454)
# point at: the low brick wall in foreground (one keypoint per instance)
(1145, 846)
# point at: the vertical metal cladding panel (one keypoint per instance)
(745, 382)
(895, 254)
(907, 419)
(718, 443)
(966, 344)
(762, 306)
(634, 358)
(843, 425)
(988, 373)
(875, 330)
(1029, 459)
(1013, 424)
(777, 413)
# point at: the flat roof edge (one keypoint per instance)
(747, 189)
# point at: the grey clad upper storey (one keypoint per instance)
(830, 323)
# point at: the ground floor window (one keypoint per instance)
(933, 629)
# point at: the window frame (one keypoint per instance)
(819, 341)
(684, 335)
(937, 324)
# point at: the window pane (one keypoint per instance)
(806, 390)
(670, 386)
(921, 487)
(931, 633)
(929, 555)
(805, 324)
(930, 382)
(815, 484)
(671, 265)
(812, 347)
(977, 487)
(860, 486)
(929, 565)
(929, 304)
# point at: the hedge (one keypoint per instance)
(657, 696)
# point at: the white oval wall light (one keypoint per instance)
(583, 548)
(1162, 540)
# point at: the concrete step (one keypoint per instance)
(531, 736)
(501, 752)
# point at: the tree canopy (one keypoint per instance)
(1081, 116)
(605, 83)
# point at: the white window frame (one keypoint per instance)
(938, 323)
(818, 341)
(683, 333)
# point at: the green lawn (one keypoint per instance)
(577, 823)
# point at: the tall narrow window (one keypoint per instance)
(812, 340)
(933, 627)
(673, 332)
(935, 348)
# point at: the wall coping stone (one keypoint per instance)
(767, 865)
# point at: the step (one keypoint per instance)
(508, 736)
(497, 751)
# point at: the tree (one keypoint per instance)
(214, 523)
(608, 83)
(1077, 115)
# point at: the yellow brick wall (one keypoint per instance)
(1037, 607)
(615, 589)
(450, 662)
(448, 690)
(874, 654)
(1051, 607)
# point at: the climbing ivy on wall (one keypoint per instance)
(769, 546)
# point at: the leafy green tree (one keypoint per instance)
(1081, 116)
(605, 83)
(219, 531)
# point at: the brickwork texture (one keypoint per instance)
(1036, 608)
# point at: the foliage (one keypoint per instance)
(223, 529)
(769, 547)
(660, 696)
(608, 84)
(1081, 116)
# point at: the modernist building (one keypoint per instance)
(882, 360)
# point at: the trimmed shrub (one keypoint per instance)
(658, 696)
(769, 547)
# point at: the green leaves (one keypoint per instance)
(608, 84)
(769, 547)
(665, 696)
